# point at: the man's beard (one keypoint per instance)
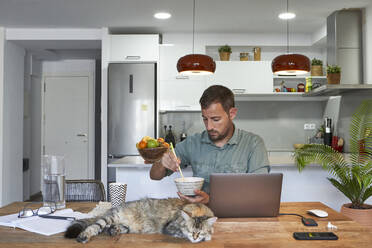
(217, 137)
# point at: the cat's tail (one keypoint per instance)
(77, 227)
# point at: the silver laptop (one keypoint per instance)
(245, 195)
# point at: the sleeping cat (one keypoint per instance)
(169, 216)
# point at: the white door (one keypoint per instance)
(66, 122)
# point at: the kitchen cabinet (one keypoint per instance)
(243, 77)
(178, 92)
(144, 47)
(182, 93)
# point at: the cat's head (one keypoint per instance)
(198, 228)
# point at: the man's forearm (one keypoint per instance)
(157, 171)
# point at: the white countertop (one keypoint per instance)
(275, 159)
(129, 162)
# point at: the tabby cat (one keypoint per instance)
(169, 216)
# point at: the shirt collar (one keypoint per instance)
(205, 138)
(232, 141)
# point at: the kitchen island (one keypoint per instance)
(309, 185)
(135, 173)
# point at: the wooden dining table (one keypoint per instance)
(228, 232)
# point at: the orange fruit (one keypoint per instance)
(160, 140)
(142, 144)
(165, 144)
(146, 138)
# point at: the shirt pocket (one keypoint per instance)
(202, 169)
(236, 168)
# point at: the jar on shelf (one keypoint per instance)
(257, 53)
(244, 56)
(300, 87)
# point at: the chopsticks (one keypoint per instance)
(179, 167)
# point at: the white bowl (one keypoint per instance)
(187, 185)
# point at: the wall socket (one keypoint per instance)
(309, 126)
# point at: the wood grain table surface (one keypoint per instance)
(229, 232)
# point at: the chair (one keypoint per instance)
(84, 190)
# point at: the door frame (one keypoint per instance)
(91, 124)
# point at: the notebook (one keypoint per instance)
(40, 225)
(245, 195)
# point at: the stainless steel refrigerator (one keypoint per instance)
(131, 106)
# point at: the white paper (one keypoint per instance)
(40, 225)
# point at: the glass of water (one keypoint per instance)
(53, 181)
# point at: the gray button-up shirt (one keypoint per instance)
(245, 152)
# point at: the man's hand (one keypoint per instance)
(170, 161)
(200, 197)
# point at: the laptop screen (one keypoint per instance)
(245, 195)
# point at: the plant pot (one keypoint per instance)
(316, 70)
(362, 216)
(334, 78)
(224, 56)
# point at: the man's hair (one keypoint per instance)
(217, 94)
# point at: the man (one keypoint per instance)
(221, 148)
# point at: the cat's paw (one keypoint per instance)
(114, 230)
(82, 238)
(117, 229)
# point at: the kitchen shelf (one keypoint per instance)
(299, 77)
(339, 89)
(278, 96)
(165, 111)
(264, 97)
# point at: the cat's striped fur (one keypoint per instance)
(168, 216)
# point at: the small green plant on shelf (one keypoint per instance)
(225, 48)
(316, 61)
(333, 69)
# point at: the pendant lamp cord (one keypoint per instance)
(193, 27)
(287, 32)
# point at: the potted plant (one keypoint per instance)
(354, 178)
(225, 52)
(316, 67)
(333, 74)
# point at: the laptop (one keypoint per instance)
(245, 195)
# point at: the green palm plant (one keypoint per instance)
(353, 178)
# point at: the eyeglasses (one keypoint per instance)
(28, 212)
(43, 212)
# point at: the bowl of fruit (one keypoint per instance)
(152, 150)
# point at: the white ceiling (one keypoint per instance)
(136, 16)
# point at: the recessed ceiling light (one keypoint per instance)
(287, 15)
(162, 15)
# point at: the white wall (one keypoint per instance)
(367, 45)
(12, 121)
(68, 66)
(104, 101)
(32, 126)
(2, 41)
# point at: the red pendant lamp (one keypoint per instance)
(290, 64)
(195, 64)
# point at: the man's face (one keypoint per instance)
(217, 122)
